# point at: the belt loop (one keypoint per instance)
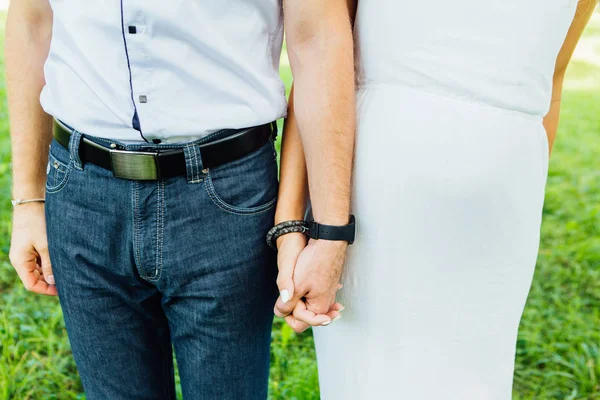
(193, 163)
(74, 142)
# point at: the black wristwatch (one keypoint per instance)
(329, 232)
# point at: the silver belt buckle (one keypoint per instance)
(135, 165)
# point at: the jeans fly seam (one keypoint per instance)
(159, 231)
(159, 235)
(156, 267)
(136, 239)
(162, 223)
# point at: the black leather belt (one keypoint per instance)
(165, 163)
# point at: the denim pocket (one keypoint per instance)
(245, 186)
(58, 169)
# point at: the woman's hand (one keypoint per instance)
(289, 248)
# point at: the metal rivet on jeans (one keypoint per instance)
(56, 165)
(113, 145)
(205, 171)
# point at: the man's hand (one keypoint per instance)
(29, 249)
(315, 270)
(320, 48)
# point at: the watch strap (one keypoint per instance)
(336, 233)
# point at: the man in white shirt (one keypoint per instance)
(148, 215)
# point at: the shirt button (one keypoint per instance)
(133, 30)
(143, 99)
(156, 141)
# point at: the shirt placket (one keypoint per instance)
(135, 35)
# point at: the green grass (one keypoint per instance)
(558, 353)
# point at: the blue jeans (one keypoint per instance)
(143, 267)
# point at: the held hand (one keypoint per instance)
(29, 249)
(289, 248)
(297, 319)
(316, 277)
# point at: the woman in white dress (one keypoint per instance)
(458, 107)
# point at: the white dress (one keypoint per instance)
(451, 165)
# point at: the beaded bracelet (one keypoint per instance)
(284, 228)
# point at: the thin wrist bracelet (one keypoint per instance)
(16, 202)
(284, 228)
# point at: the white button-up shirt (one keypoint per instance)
(171, 70)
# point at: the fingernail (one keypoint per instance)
(336, 318)
(326, 323)
(342, 309)
(50, 279)
(285, 295)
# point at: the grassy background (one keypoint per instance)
(558, 354)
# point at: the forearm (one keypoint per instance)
(324, 100)
(552, 118)
(293, 185)
(28, 34)
(585, 8)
